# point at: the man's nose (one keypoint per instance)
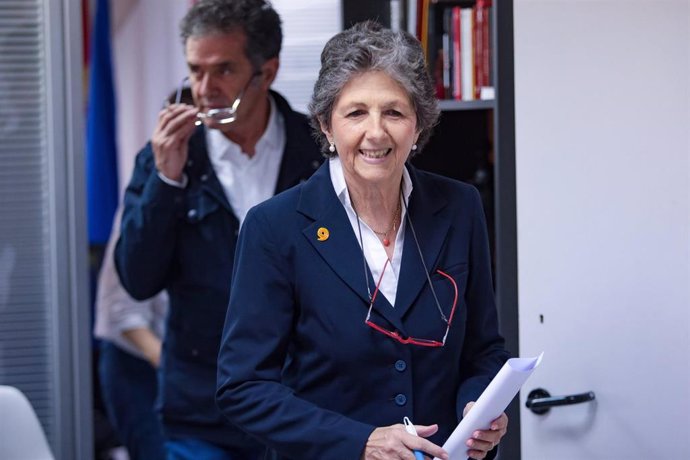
(204, 85)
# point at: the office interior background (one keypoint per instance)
(591, 125)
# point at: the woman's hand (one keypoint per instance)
(394, 443)
(482, 441)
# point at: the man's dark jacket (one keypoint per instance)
(183, 240)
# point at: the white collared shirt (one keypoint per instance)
(374, 251)
(117, 312)
(247, 181)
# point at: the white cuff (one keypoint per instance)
(174, 183)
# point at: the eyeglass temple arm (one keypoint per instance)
(455, 298)
(239, 97)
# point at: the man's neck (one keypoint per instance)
(246, 132)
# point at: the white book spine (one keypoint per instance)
(467, 53)
(412, 17)
(396, 15)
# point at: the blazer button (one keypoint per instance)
(400, 399)
(195, 352)
(315, 164)
(191, 213)
(400, 365)
(204, 177)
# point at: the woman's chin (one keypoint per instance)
(377, 173)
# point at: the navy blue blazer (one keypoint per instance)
(183, 240)
(299, 369)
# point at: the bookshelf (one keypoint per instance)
(474, 142)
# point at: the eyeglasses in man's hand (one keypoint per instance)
(222, 115)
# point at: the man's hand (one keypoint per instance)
(175, 127)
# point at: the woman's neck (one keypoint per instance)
(379, 207)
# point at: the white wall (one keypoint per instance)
(148, 65)
(603, 167)
(307, 26)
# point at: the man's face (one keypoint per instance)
(218, 72)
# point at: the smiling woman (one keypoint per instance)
(375, 276)
(373, 128)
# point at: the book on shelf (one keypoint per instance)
(461, 48)
(411, 16)
(397, 14)
(456, 38)
(483, 50)
(423, 28)
(467, 51)
(446, 54)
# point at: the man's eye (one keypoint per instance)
(225, 70)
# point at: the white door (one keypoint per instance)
(602, 132)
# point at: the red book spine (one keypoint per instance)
(477, 50)
(457, 86)
(486, 40)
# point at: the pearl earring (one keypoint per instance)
(414, 147)
(331, 148)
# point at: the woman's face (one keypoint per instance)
(373, 126)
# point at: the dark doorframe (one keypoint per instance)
(506, 206)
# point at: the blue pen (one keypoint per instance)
(409, 427)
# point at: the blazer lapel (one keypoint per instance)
(430, 229)
(341, 249)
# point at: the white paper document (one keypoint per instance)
(491, 403)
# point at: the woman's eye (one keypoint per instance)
(355, 113)
(394, 113)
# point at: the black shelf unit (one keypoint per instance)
(449, 105)
(475, 142)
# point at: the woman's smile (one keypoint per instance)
(370, 154)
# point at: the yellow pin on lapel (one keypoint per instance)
(322, 234)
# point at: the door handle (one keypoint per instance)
(540, 401)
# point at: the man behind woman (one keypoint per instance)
(190, 190)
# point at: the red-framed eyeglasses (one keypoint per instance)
(413, 340)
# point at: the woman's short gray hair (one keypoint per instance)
(365, 47)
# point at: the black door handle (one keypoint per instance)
(540, 401)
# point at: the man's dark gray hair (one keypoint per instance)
(256, 18)
(365, 47)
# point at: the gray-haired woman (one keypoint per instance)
(364, 295)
